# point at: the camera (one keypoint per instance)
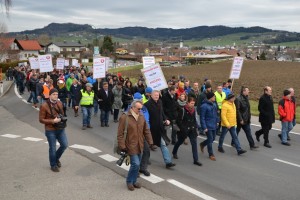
(62, 119)
(121, 160)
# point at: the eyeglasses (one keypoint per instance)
(139, 108)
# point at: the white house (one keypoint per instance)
(67, 49)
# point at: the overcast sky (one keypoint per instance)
(274, 14)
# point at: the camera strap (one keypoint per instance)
(58, 111)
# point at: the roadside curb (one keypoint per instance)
(7, 89)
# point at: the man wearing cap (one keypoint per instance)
(201, 98)
(50, 113)
(86, 99)
(147, 94)
(228, 120)
(69, 83)
(33, 81)
(220, 97)
(286, 111)
(209, 121)
(266, 115)
(105, 100)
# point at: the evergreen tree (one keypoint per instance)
(107, 48)
(262, 56)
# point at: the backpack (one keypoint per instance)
(116, 148)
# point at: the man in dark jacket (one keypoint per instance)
(266, 115)
(105, 101)
(157, 120)
(201, 98)
(32, 88)
(169, 105)
(244, 116)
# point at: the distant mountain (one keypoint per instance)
(197, 33)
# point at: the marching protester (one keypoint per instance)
(75, 89)
(195, 92)
(226, 88)
(86, 99)
(201, 98)
(180, 104)
(69, 83)
(147, 94)
(157, 122)
(32, 84)
(105, 100)
(266, 115)
(170, 109)
(133, 144)
(50, 114)
(187, 124)
(286, 111)
(48, 85)
(62, 95)
(39, 90)
(117, 104)
(220, 97)
(127, 97)
(244, 116)
(97, 85)
(209, 121)
(228, 120)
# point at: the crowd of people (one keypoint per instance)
(147, 114)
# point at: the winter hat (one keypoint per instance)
(88, 85)
(207, 85)
(52, 91)
(230, 96)
(137, 96)
(60, 82)
(209, 95)
(180, 84)
(148, 90)
(286, 92)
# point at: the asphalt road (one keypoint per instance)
(261, 174)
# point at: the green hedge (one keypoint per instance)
(5, 66)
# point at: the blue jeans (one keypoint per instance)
(234, 137)
(86, 115)
(193, 138)
(104, 116)
(95, 107)
(211, 135)
(61, 137)
(286, 127)
(133, 172)
(165, 151)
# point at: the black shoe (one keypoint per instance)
(267, 145)
(175, 156)
(55, 169)
(197, 163)
(257, 136)
(242, 151)
(254, 147)
(145, 172)
(221, 150)
(286, 143)
(29, 101)
(106, 125)
(279, 135)
(58, 163)
(170, 165)
(288, 138)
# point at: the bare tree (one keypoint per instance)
(7, 5)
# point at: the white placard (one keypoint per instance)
(148, 61)
(99, 67)
(60, 63)
(107, 59)
(74, 62)
(45, 62)
(236, 68)
(155, 77)
(67, 63)
(34, 63)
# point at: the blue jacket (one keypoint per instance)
(91, 80)
(209, 115)
(144, 111)
(227, 91)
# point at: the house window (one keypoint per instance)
(25, 55)
(64, 49)
(73, 49)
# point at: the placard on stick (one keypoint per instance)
(155, 77)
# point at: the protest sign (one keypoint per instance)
(67, 62)
(148, 61)
(236, 68)
(155, 77)
(60, 63)
(34, 63)
(99, 67)
(45, 62)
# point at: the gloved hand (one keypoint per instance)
(153, 147)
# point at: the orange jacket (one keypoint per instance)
(286, 110)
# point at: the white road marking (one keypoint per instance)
(17, 93)
(86, 148)
(32, 139)
(25, 101)
(152, 178)
(108, 158)
(276, 129)
(190, 190)
(227, 145)
(124, 166)
(286, 162)
(10, 136)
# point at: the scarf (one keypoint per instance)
(190, 110)
(181, 103)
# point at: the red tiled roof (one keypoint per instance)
(29, 45)
(6, 42)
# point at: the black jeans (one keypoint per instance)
(247, 130)
(265, 128)
(116, 114)
(145, 157)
